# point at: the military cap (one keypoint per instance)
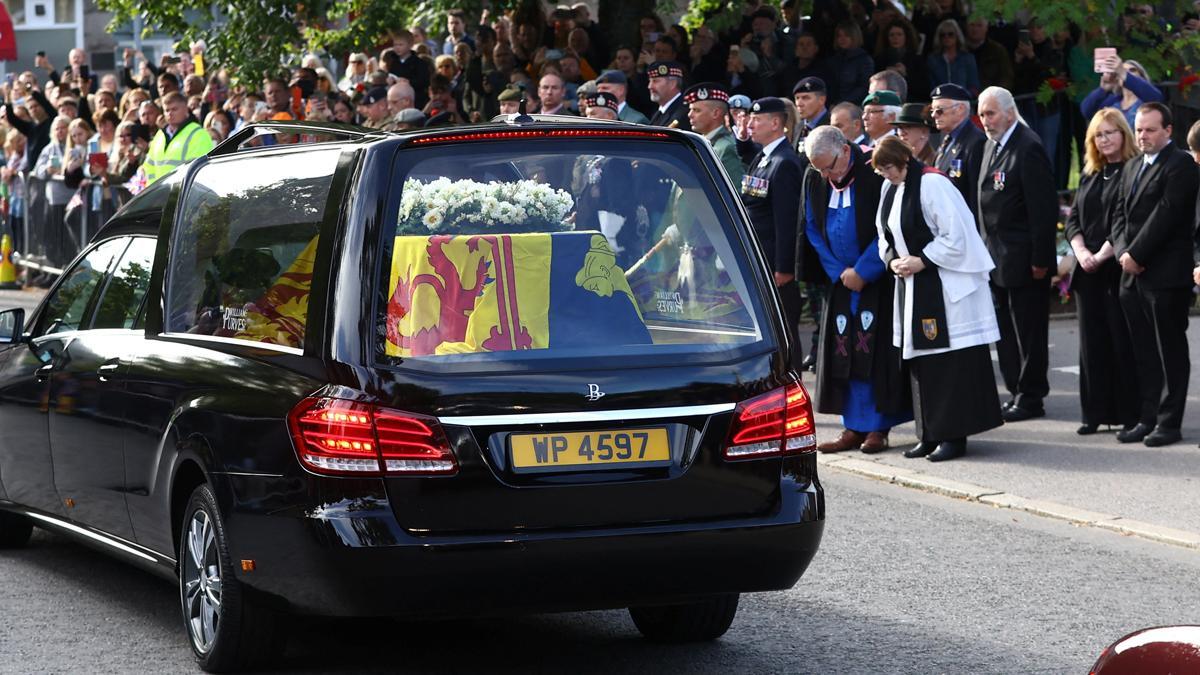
(883, 97)
(510, 94)
(601, 100)
(770, 104)
(613, 77)
(705, 91)
(374, 95)
(951, 91)
(739, 102)
(812, 85)
(665, 69)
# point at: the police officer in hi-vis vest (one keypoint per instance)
(179, 142)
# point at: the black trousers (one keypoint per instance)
(789, 296)
(1024, 348)
(1158, 321)
(1109, 392)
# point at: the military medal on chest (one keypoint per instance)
(956, 168)
(998, 181)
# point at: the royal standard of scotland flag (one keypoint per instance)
(457, 294)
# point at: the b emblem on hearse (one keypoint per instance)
(594, 393)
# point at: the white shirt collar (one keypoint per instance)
(663, 108)
(770, 147)
(1149, 160)
(621, 107)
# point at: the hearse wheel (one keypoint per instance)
(227, 630)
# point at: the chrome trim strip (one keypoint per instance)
(250, 344)
(586, 416)
(94, 536)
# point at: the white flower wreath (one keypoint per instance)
(443, 206)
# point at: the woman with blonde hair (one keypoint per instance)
(1108, 390)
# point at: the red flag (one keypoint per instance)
(8, 38)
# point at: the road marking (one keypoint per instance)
(1074, 370)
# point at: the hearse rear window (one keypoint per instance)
(242, 254)
(535, 249)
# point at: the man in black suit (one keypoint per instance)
(771, 191)
(1153, 234)
(1018, 218)
(961, 152)
(666, 89)
(810, 96)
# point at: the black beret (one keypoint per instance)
(813, 85)
(951, 91)
(770, 104)
(612, 77)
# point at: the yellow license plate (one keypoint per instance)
(590, 449)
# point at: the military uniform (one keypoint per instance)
(721, 139)
(771, 194)
(674, 115)
(960, 155)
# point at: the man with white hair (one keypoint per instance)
(858, 371)
(1018, 217)
(961, 152)
(880, 109)
(400, 97)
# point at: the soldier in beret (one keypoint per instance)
(770, 192)
(666, 85)
(708, 111)
(600, 106)
(510, 100)
(880, 109)
(960, 154)
(810, 96)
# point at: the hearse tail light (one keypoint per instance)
(348, 438)
(779, 422)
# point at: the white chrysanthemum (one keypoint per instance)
(433, 218)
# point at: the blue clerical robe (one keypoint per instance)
(839, 251)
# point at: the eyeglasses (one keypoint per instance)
(832, 163)
(1108, 134)
(938, 112)
(872, 111)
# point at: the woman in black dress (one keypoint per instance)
(1107, 379)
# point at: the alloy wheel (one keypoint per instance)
(201, 576)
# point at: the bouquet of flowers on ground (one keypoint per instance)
(444, 206)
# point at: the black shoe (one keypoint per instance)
(949, 450)
(809, 363)
(1005, 408)
(1134, 434)
(1019, 414)
(1160, 437)
(921, 449)
(1087, 429)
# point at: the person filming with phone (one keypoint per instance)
(1124, 85)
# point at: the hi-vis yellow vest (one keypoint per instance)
(164, 156)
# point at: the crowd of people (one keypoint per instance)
(901, 176)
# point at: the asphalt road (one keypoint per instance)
(905, 582)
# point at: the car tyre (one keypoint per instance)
(690, 622)
(227, 630)
(15, 530)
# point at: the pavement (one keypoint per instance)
(1044, 468)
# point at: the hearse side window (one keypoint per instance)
(242, 252)
(67, 307)
(561, 249)
(122, 296)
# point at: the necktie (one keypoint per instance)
(1137, 178)
(941, 153)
